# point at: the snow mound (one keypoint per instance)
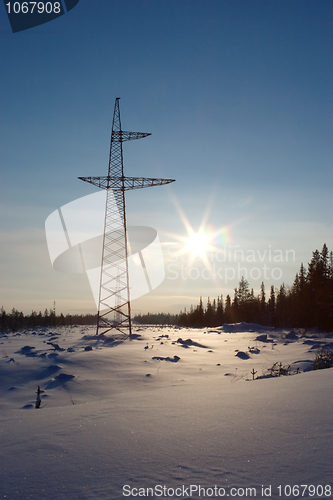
(243, 355)
(27, 350)
(175, 358)
(261, 338)
(292, 335)
(48, 372)
(245, 327)
(188, 342)
(59, 380)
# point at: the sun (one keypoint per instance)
(197, 244)
(201, 244)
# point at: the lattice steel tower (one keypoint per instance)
(114, 294)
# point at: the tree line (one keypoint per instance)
(308, 303)
(16, 320)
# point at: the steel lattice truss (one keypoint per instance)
(125, 183)
(114, 309)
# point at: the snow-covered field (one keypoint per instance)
(116, 423)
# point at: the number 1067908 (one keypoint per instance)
(33, 7)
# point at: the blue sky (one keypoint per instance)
(238, 97)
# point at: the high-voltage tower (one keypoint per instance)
(114, 308)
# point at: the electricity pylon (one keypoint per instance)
(114, 293)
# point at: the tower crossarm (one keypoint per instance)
(122, 136)
(125, 183)
(143, 182)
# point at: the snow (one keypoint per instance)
(132, 413)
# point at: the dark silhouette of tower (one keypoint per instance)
(114, 309)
